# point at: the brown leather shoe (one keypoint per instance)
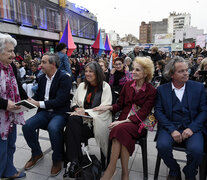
(33, 161)
(56, 168)
(174, 177)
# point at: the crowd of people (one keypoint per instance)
(111, 99)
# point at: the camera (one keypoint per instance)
(202, 72)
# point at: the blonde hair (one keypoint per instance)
(154, 49)
(104, 62)
(147, 65)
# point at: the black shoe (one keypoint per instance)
(66, 174)
(74, 170)
(174, 177)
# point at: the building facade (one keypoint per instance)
(113, 37)
(145, 33)
(37, 25)
(178, 21)
(159, 27)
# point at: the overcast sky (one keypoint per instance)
(125, 16)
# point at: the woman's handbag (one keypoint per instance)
(149, 123)
(90, 168)
(91, 171)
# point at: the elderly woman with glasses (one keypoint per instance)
(118, 77)
(91, 93)
(11, 92)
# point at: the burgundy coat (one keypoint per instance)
(127, 133)
(128, 97)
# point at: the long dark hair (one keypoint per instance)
(96, 68)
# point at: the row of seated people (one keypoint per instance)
(180, 107)
(93, 97)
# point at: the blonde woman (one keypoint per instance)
(124, 132)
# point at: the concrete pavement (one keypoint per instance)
(42, 170)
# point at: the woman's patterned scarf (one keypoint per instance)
(8, 90)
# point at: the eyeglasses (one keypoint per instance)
(118, 64)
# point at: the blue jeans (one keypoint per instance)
(194, 151)
(7, 149)
(51, 121)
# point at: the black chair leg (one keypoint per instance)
(202, 169)
(143, 144)
(109, 152)
(157, 167)
(103, 160)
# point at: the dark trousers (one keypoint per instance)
(75, 133)
(51, 121)
(194, 151)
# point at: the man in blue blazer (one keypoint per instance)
(53, 101)
(181, 111)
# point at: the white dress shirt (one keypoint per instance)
(179, 92)
(47, 90)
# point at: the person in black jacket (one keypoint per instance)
(11, 92)
(155, 56)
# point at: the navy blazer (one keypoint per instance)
(196, 103)
(59, 95)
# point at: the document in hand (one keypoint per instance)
(25, 106)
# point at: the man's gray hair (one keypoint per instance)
(53, 58)
(6, 38)
(136, 46)
(170, 67)
(127, 58)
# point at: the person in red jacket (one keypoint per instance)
(124, 132)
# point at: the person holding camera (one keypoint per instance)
(201, 74)
(195, 67)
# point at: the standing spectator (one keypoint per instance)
(155, 56)
(136, 52)
(183, 54)
(11, 92)
(64, 62)
(75, 68)
(128, 64)
(27, 59)
(202, 77)
(198, 50)
(117, 52)
(195, 66)
(162, 54)
(181, 111)
(18, 57)
(204, 52)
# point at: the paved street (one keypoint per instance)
(42, 170)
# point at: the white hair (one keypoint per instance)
(136, 46)
(4, 39)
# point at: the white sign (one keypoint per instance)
(201, 40)
(177, 46)
(163, 38)
(178, 36)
